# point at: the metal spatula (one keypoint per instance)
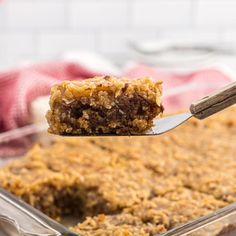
(201, 109)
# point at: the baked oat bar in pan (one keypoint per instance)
(104, 105)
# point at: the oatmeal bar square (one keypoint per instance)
(104, 105)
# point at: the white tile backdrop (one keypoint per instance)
(44, 29)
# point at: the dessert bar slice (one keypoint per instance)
(103, 105)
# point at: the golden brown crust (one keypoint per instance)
(104, 105)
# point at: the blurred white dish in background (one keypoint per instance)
(179, 55)
(161, 46)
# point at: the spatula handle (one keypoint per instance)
(214, 102)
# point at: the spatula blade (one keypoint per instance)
(170, 122)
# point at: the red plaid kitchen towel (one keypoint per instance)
(20, 87)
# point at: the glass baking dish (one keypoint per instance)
(15, 143)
